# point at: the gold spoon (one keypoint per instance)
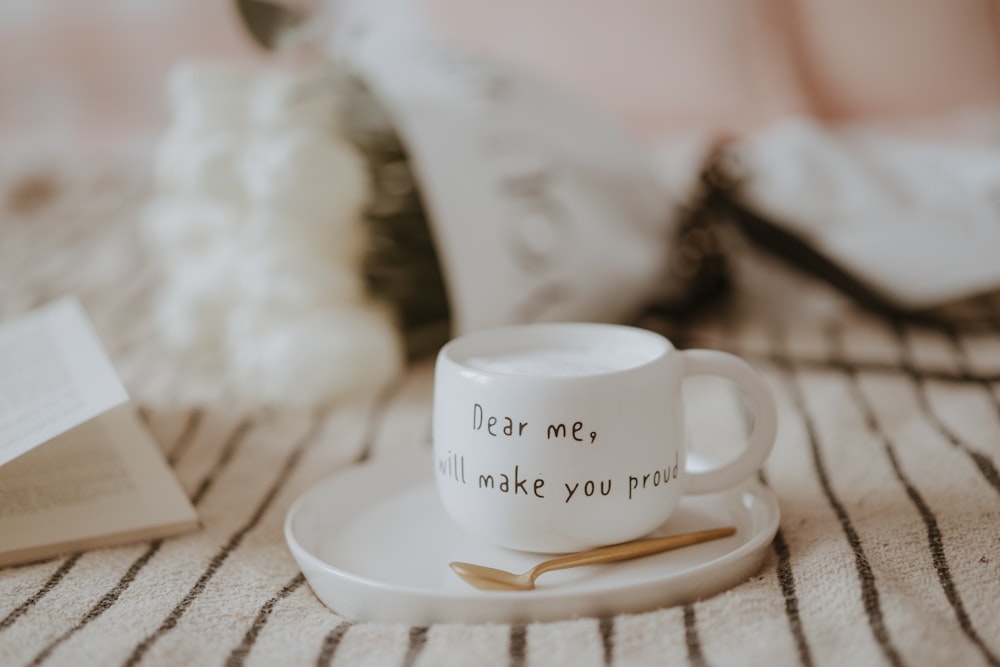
(492, 579)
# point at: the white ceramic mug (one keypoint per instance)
(561, 437)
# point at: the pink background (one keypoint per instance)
(88, 74)
(667, 65)
(86, 77)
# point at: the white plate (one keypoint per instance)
(374, 543)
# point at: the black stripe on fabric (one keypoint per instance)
(170, 622)
(111, 597)
(46, 588)
(691, 638)
(786, 578)
(186, 437)
(331, 642)
(517, 645)
(934, 538)
(606, 626)
(781, 359)
(228, 449)
(786, 581)
(984, 463)
(102, 605)
(869, 592)
(415, 644)
(240, 653)
(375, 416)
(234, 440)
(963, 356)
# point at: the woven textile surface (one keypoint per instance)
(887, 469)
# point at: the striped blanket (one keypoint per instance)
(886, 469)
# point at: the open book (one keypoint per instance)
(77, 468)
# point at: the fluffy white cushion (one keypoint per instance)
(314, 357)
(306, 172)
(259, 228)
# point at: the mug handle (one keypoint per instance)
(765, 426)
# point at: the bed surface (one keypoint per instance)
(886, 470)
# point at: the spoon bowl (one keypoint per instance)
(492, 579)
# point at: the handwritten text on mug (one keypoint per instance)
(497, 426)
(453, 466)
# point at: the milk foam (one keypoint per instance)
(562, 362)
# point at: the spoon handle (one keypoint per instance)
(634, 549)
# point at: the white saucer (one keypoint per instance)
(374, 543)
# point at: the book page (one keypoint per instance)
(77, 468)
(104, 482)
(54, 375)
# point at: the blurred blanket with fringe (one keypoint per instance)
(886, 468)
